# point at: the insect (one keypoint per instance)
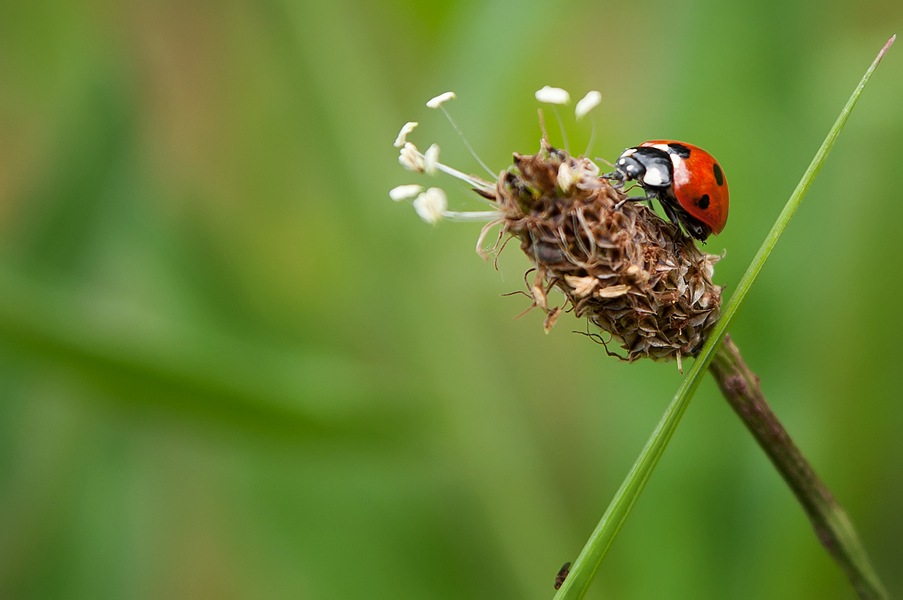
(563, 572)
(687, 181)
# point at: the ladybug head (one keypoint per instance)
(651, 167)
(631, 166)
(627, 168)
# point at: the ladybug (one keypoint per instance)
(687, 181)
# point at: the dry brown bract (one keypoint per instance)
(627, 270)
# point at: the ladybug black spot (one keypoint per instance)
(679, 149)
(719, 175)
(703, 202)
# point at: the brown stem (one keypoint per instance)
(832, 526)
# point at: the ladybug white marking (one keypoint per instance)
(654, 177)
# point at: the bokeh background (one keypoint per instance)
(231, 367)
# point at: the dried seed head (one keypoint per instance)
(625, 269)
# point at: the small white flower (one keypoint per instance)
(440, 100)
(567, 177)
(539, 296)
(410, 158)
(583, 286)
(403, 192)
(587, 103)
(589, 168)
(613, 291)
(431, 159)
(403, 134)
(431, 205)
(553, 95)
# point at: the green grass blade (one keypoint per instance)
(584, 568)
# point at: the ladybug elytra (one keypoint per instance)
(687, 181)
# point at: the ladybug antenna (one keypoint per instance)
(607, 162)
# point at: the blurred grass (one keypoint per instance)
(231, 367)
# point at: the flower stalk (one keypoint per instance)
(833, 528)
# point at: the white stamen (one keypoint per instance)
(431, 205)
(410, 158)
(587, 103)
(402, 137)
(468, 179)
(461, 135)
(472, 215)
(403, 192)
(440, 100)
(553, 95)
(431, 159)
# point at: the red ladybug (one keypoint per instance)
(687, 180)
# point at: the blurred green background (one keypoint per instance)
(231, 367)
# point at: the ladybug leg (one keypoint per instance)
(686, 224)
(674, 218)
(672, 214)
(649, 197)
